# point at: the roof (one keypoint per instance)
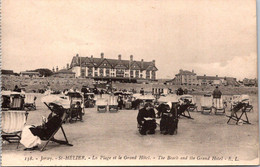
(10, 72)
(64, 71)
(185, 72)
(209, 77)
(30, 72)
(112, 63)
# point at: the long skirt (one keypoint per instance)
(28, 139)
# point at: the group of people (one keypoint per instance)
(146, 119)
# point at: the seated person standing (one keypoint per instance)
(146, 118)
(32, 136)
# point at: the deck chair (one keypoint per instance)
(185, 102)
(242, 104)
(16, 101)
(101, 105)
(51, 138)
(29, 102)
(112, 104)
(206, 104)
(12, 125)
(218, 106)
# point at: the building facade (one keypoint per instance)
(185, 77)
(113, 69)
(29, 74)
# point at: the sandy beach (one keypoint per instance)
(113, 139)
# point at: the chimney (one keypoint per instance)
(142, 63)
(119, 57)
(77, 55)
(57, 69)
(154, 62)
(192, 71)
(102, 56)
(204, 75)
(53, 69)
(131, 57)
(217, 76)
(68, 66)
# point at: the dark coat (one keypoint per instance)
(45, 131)
(143, 113)
(217, 93)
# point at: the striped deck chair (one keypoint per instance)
(16, 101)
(29, 102)
(218, 106)
(112, 104)
(101, 105)
(12, 125)
(206, 104)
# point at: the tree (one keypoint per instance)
(44, 72)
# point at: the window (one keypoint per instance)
(90, 72)
(132, 74)
(148, 74)
(101, 72)
(107, 72)
(96, 74)
(120, 72)
(137, 73)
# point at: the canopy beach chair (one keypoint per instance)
(16, 101)
(76, 97)
(240, 104)
(29, 102)
(12, 125)
(112, 104)
(219, 106)
(206, 104)
(101, 105)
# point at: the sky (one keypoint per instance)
(212, 37)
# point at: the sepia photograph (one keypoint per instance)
(129, 83)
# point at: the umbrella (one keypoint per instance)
(60, 100)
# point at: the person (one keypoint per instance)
(217, 93)
(142, 91)
(31, 136)
(216, 98)
(169, 119)
(17, 89)
(146, 119)
(120, 102)
(180, 91)
(76, 111)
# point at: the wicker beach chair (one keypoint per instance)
(12, 125)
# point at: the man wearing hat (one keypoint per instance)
(146, 119)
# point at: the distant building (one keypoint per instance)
(7, 72)
(210, 80)
(64, 73)
(113, 69)
(249, 82)
(185, 77)
(29, 74)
